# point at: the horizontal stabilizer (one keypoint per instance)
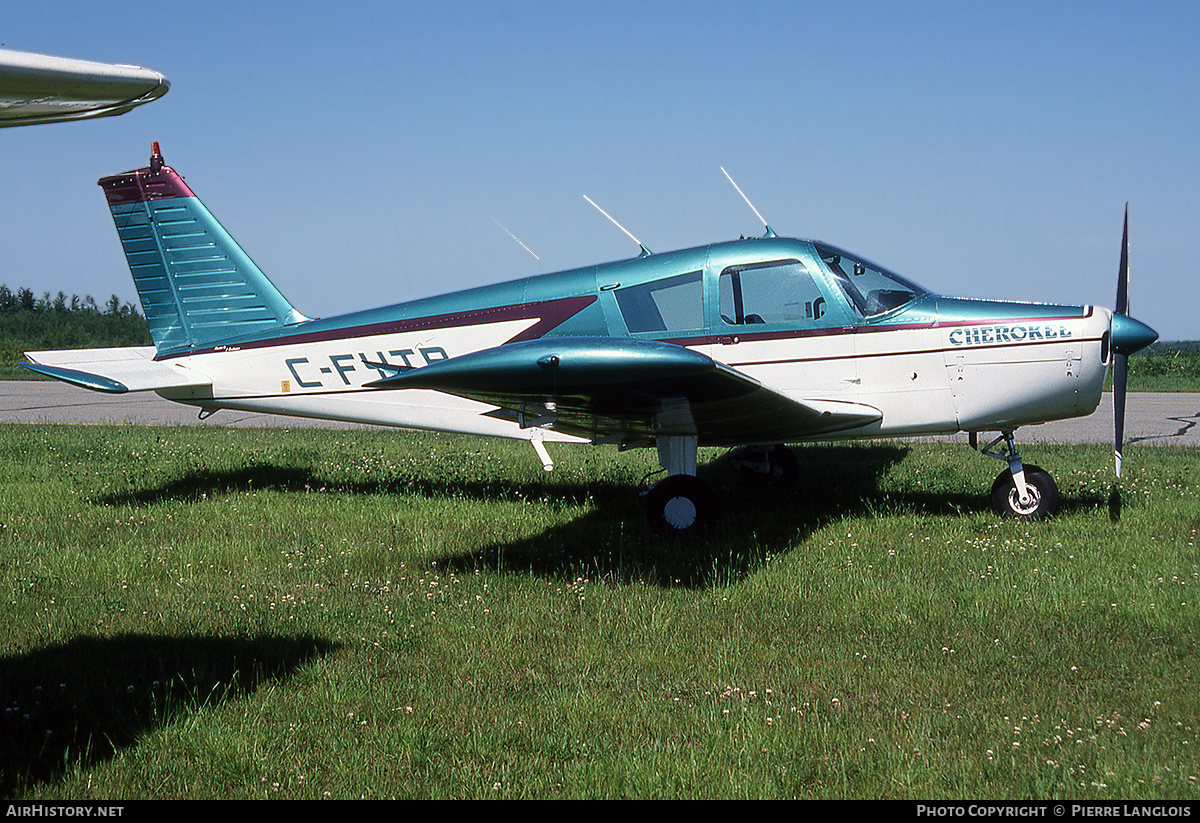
(115, 371)
(611, 388)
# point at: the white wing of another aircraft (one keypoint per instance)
(38, 89)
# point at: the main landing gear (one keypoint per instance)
(1020, 491)
(682, 504)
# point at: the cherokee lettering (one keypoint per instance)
(979, 335)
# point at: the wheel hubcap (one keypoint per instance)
(1030, 506)
(679, 512)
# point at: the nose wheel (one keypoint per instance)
(1020, 491)
(1041, 495)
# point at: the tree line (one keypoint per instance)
(31, 323)
(1170, 360)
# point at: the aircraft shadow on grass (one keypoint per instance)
(763, 519)
(78, 703)
(613, 539)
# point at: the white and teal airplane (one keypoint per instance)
(751, 343)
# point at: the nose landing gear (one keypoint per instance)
(1020, 491)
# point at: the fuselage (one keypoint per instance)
(803, 318)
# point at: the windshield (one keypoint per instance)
(870, 289)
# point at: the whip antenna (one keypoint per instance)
(769, 233)
(514, 237)
(645, 251)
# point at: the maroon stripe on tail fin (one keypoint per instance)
(156, 182)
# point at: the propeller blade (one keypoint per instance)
(1121, 361)
(1120, 370)
(1122, 306)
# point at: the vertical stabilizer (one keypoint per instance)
(196, 285)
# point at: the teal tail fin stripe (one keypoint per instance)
(197, 287)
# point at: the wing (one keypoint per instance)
(38, 89)
(115, 371)
(611, 389)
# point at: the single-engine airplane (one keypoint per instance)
(749, 343)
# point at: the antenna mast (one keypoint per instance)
(645, 251)
(770, 232)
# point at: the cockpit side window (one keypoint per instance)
(673, 304)
(870, 289)
(781, 291)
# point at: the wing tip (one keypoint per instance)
(85, 380)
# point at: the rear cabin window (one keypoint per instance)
(673, 304)
(764, 293)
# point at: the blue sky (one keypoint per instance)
(363, 153)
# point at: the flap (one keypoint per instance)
(619, 388)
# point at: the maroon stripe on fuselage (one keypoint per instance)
(549, 313)
(786, 334)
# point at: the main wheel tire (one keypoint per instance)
(1043, 495)
(681, 504)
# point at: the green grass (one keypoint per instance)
(195, 612)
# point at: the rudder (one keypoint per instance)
(196, 285)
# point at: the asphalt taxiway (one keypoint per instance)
(1152, 418)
